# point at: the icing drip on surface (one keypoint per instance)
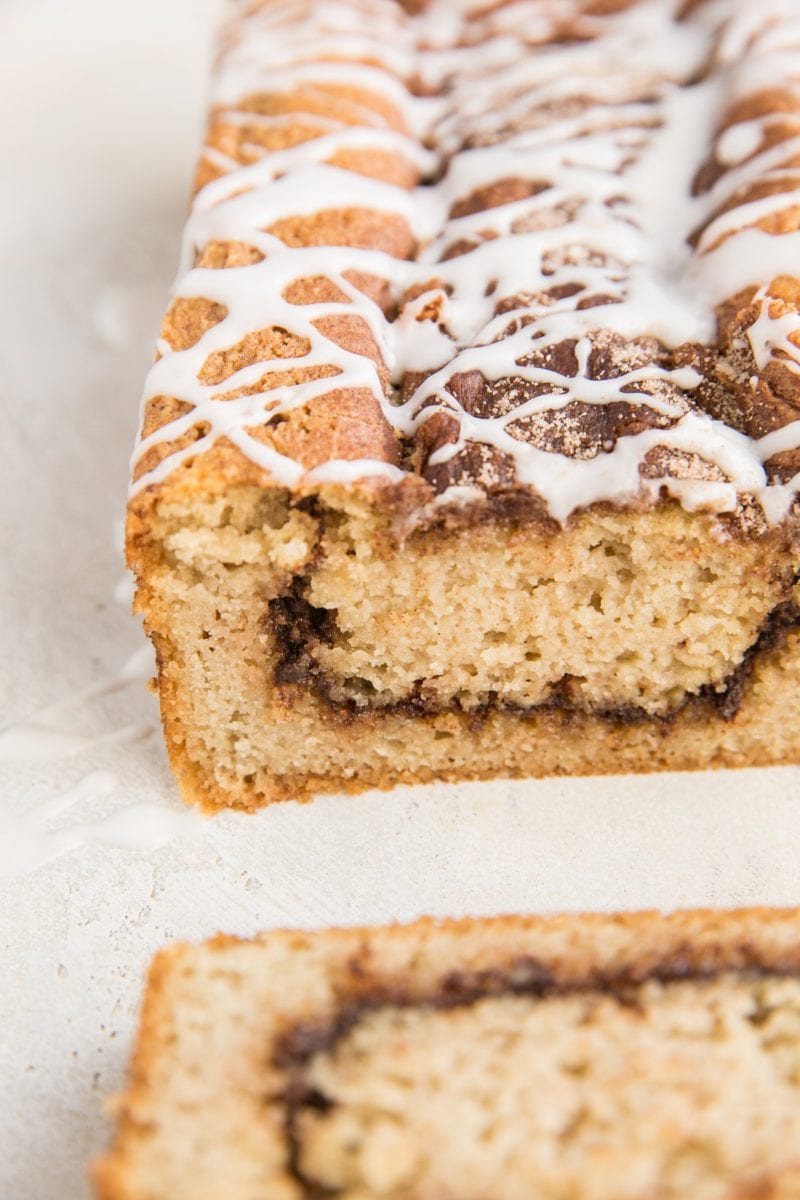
(588, 279)
(41, 738)
(29, 839)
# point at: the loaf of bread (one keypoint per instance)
(573, 1058)
(473, 443)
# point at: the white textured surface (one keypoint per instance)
(100, 104)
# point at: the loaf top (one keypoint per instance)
(442, 253)
(595, 1056)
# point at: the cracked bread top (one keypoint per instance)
(454, 250)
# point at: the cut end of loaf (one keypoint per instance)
(305, 642)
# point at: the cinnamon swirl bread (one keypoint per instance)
(575, 1058)
(473, 443)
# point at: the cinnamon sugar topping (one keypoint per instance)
(556, 243)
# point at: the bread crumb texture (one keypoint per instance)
(581, 1057)
(672, 1091)
(313, 647)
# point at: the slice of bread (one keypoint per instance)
(603, 1057)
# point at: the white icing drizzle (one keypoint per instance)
(775, 337)
(611, 217)
(740, 142)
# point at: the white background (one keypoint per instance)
(101, 103)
